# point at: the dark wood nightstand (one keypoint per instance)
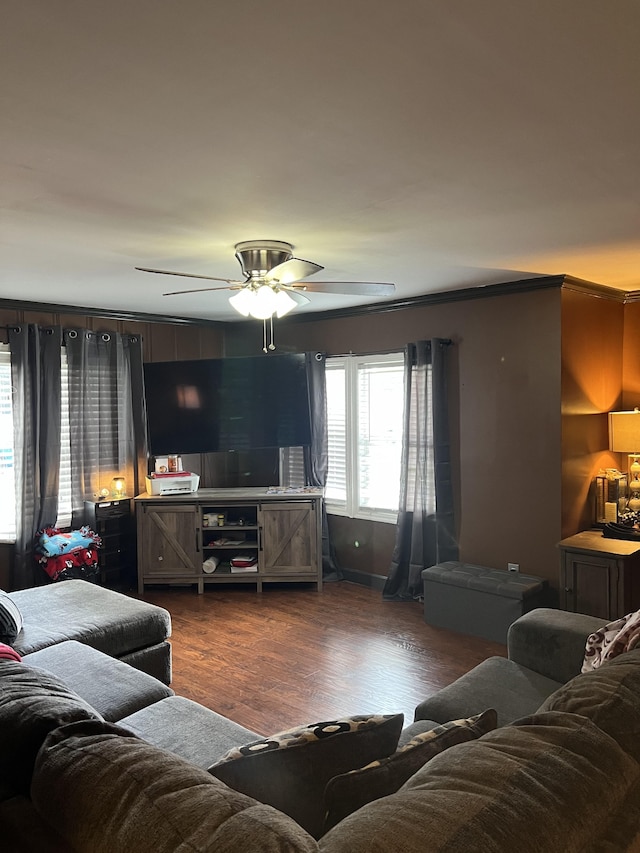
(112, 520)
(599, 576)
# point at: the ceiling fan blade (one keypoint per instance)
(292, 270)
(363, 288)
(192, 275)
(298, 297)
(237, 286)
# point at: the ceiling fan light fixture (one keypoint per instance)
(284, 303)
(265, 303)
(243, 301)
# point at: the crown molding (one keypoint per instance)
(106, 313)
(524, 285)
(490, 290)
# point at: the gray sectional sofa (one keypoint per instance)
(122, 627)
(98, 756)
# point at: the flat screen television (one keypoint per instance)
(211, 405)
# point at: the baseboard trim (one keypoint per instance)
(364, 578)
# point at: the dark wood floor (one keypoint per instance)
(293, 655)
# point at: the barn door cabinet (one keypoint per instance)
(169, 549)
(200, 537)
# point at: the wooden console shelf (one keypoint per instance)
(280, 532)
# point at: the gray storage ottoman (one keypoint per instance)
(478, 600)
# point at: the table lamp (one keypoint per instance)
(624, 437)
(118, 489)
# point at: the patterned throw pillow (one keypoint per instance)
(617, 637)
(290, 770)
(10, 619)
(346, 793)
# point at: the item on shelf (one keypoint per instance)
(238, 570)
(172, 483)
(610, 495)
(294, 490)
(210, 565)
(175, 463)
(244, 563)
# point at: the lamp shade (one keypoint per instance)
(242, 301)
(624, 432)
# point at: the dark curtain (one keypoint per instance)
(107, 420)
(426, 525)
(316, 455)
(35, 376)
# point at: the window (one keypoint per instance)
(7, 478)
(365, 400)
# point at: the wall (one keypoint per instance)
(532, 376)
(505, 388)
(592, 383)
(631, 356)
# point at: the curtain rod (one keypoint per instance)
(71, 330)
(445, 341)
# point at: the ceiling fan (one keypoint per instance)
(273, 282)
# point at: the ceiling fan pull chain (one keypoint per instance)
(272, 346)
(264, 335)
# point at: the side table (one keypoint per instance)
(112, 520)
(599, 576)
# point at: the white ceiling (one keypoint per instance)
(437, 144)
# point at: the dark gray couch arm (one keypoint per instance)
(551, 642)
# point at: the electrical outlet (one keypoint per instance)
(513, 567)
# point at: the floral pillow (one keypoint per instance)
(617, 637)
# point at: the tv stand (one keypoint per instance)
(277, 532)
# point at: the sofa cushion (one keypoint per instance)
(25, 831)
(290, 770)
(607, 695)
(113, 688)
(552, 782)
(10, 619)
(346, 793)
(513, 690)
(32, 703)
(104, 790)
(109, 621)
(188, 729)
